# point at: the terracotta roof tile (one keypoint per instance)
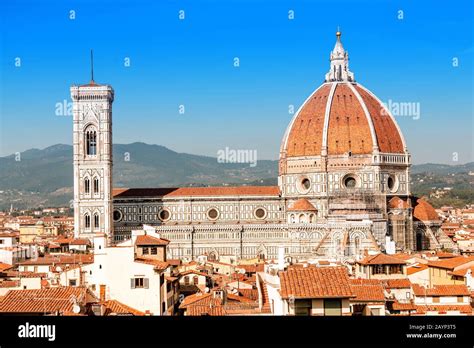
(451, 263)
(441, 290)
(381, 259)
(159, 265)
(312, 282)
(397, 203)
(366, 291)
(423, 210)
(401, 283)
(42, 300)
(116, 307)
(198, 191)
(443, 309)
(397, 306)
(150, 240)
(416, 268)
(4, 266)
(60, 259)
(302, 204)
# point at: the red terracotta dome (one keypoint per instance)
(342, 117)
(302, 204)
(424, 211)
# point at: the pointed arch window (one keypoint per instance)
(87, 185)
(91, 142)
(96, 221)
(96, 185)
(87, 220)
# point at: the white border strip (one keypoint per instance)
(388, 113)
(324, 143)
(375, 143)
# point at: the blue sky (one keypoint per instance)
(190, 62)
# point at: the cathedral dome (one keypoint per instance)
(342, 117)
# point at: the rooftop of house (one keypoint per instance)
(416, 268)
(367, 291)
(51, 300)
(60, 259)
(451, 263)
(400, 283)
(313, 282)
(441, 290)
(147, 240)
(114, 307)
(381, 259)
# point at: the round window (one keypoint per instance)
(392, 183)
(212, 213)
(305, 183)
(164, 215)
(350, 182)
(260, 213)
(117, 215)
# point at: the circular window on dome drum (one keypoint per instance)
(392, 183)
(350, 181)
(164, 215)
(260, 213)
(117, 215)
(305, 183)
(212, 214)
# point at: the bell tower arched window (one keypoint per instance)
(87, 220)
(91, 142)
(96, 185)
(96, 221)
(87, 185)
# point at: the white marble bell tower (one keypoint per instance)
(92, 141)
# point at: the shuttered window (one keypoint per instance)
(139, 283)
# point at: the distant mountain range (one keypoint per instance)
(44, 177)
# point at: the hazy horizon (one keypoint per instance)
(156, 62)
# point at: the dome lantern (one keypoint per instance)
(339, 70)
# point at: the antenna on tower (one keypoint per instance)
(92, 66)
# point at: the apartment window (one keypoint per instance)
(196, 280)
(139, 283)
(72, 282)
(332, 307)
(154, 251)
(186, 280)
(146, 251)
(435, 299)
(460, 299)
